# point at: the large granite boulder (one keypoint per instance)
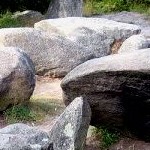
(29, 17)
(117, 88)
(135, 42)
(70, 130)
(52, 55)
(17, 77)
(101, 36)
(23, 137)
(64, 8)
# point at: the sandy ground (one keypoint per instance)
(48, 88)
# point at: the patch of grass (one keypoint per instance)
(107, 137)
(46, 106)
(19, 113)
(7, 21)
(142, 8)
(92, 7)
(34, 111)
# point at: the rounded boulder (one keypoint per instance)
(17, 77)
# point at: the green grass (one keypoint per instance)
(7, 21)
(34, 111)
(92, 7)
(19, 113)
(106, 137)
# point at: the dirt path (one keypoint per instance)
(48, 88)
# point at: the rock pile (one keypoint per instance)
(116, 88)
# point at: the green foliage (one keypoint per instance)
(107, 137)
(107, 6)
(19, 113)
(34, 111)
(6, 21)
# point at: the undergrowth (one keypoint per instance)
(7, 21)
(32, 112)
(92, 7)
(19, 113)
(106, 136)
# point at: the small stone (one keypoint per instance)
(133, 43)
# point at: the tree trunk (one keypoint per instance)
(64, 8)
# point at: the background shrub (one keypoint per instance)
(7, 21)
(106, 6)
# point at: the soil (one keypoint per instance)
(48, 88)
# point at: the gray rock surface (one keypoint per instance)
(64, 8)
(135, 42)
(132, 18)
(17, 77)
(23, 137)
(29, 17)
(128, 17)
(52, 55)
(70, 130)
(100, 36)
(117, 88)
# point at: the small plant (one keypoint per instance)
(7, 21)
(106, 137)
(19, 113)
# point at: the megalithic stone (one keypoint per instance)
(70, 130)
(64, 8)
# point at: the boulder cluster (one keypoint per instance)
(106, 70)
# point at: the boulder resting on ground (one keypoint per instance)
(23, 137)
(52, 55)
(117, 88)
(70, 130)
(17, 77)
(100, 36)
(135, 42)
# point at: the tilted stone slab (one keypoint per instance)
(117, 88)
(70, 130)
(101, 36)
